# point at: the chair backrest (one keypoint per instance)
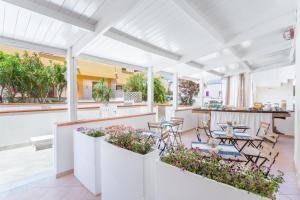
(263, 128)
(155, 126)
(178, 120)
(205, 126)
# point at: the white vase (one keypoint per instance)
(127, 175)
(87, 161)
(175, 184)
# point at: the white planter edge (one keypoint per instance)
(87, 161)
(215, 190)
(131, 174)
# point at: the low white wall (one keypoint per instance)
(190, 119)
(29, 106)
(18, 127)
(63, 136)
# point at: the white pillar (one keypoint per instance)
(297, 98)
(72, 85)
(175, 91)
(201, 92)
(150, 89)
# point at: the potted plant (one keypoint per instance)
(102, 94)
(186, 174)
(128, 165)
(87, 157)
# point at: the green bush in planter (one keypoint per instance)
(126, 137)
(237, 175)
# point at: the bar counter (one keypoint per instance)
(245, 117)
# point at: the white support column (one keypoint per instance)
(150, 89)
(201, 91)
(71, 86)
(175, 91)
(297, 98)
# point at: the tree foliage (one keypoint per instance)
(138, 83)
(187, 90)
(27, 76)
(101, 93)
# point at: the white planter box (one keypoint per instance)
(127, 175)
(176, 184)
(87, 161)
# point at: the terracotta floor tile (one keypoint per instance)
(69, 188)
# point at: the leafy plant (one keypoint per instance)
(249, 179)
(187, 90)
(101, 93)
(59, 81)
(26, 75)
(126, 137)
(93, 132)
(138, 83)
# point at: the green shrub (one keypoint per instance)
(138, 83)
(93, 132)
(101, 93)
(239, 176)
(126, 137)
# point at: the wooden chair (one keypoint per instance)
(263, 129)
(271, 138)
(178, 127)
(164, 135)
(202, 126)
(261, 155)
(261, 132)
(206, 129)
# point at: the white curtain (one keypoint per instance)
(234, 90)
(238, 90)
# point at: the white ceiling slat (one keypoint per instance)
(43, 29)
(22, 24)
(10, 18)
(110, 13)
(81, 6)
(191, 11)
(162, 24)
(92, 8)
(43, 10)
(56, 25)
(33, 27)
(2, 17)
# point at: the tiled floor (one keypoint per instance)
(68, 188)
(21, 163)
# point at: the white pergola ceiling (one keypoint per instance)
(194, 38)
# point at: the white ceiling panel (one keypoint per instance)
(235, 16)
(163, 24)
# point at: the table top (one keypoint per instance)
(148, 133)
(235, 126)
(223, 149)
(236, 135)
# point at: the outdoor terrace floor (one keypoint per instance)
(68, 188)
(23, 163)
